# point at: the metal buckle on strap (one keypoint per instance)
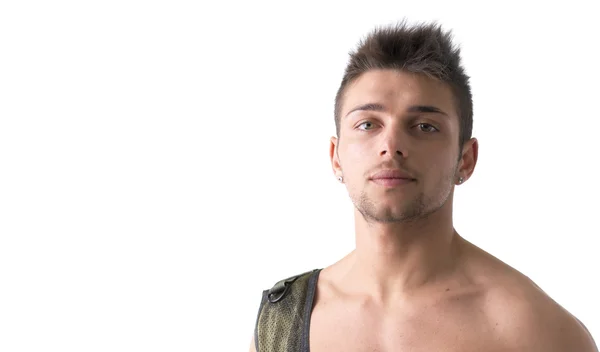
(278, 291)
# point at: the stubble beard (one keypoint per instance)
(419, 207)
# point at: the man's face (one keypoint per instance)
(412, 126)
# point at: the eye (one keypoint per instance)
(425, 127)
(367, 124)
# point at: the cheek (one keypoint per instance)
(435, 164)
(358, 150)
(355, 159)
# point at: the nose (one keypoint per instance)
(394, 144)
(385, 151)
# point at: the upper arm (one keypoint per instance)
(588, 336)
(572, 335)
(252, 344)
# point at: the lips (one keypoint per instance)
(391, 174)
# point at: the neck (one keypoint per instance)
(398, 259)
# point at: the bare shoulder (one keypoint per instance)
(525, 318)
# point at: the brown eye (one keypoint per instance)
(425, 127)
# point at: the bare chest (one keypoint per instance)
(445, 329)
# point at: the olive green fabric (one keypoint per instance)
(282, 326)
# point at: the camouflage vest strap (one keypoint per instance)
(283, 315)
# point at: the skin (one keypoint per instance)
(413, 283)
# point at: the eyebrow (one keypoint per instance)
(413, 108)
(426, 108)
(368, 107)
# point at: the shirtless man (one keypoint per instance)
(403, 120)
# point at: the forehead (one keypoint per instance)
(397, 90)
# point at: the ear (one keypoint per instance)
(333, 156)
(468, 159)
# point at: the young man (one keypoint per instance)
(403, 117)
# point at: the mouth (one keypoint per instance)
(392, 182)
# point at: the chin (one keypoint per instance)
(396, 213)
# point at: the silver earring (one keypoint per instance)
(460, 180)
(340, 178)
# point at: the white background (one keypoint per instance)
(163, 162)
